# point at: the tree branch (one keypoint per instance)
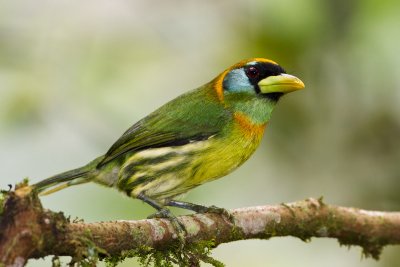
(29, 231)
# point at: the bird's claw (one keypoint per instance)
(178, 226)
(163, 213)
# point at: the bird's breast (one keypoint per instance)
(230, 149)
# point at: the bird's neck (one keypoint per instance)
(256, 110)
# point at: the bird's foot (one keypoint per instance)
(202, 209)
(163, 212)
(178, 226)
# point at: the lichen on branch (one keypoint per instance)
(29, 231)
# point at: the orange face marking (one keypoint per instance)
(248, 128)
(218, 84)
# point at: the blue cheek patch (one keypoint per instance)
(237, 81)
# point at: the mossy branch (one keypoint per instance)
(29, 231)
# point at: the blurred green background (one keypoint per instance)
(75, 74)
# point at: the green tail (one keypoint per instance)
(73, 177)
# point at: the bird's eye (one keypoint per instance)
(252, 72)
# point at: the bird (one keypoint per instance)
(202, 135)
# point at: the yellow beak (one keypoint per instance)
(283, 83)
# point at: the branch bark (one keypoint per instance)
(29, 231)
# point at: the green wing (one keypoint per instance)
(194, 116)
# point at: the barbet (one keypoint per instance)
(196, 138)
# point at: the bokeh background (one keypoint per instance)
(75, 74)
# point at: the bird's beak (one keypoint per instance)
(283, 83)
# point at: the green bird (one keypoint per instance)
(198, 137)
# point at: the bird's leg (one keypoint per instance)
(200, 208)
(163, 212)
(188, 206)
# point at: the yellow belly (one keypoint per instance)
(164, 173)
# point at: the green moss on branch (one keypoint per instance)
(29, 231)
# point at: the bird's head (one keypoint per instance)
(256, 77)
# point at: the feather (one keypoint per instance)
(184, 120)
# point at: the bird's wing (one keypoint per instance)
(191, 117)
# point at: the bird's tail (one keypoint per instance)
(73, 177)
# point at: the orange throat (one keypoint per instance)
(249, 129)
